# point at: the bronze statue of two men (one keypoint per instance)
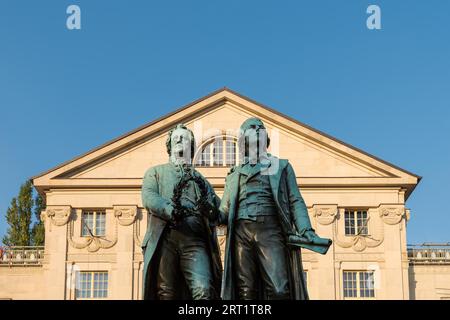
(266, 217)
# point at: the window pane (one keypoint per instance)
(205, 157)
(83, 285)
(105, 285)
(87, 221)
(102, 285)
(218, 152)
(349, 219)
(366, 285)
(92, 285)
(100, 220)
(350, 285)
(361, 219)
(230, 152)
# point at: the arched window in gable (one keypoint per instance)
(220, 151)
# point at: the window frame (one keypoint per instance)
(358, 285)
(354, 219)
(95, 212)
(224, 161)
(92, 284)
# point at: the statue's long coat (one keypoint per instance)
(157, 191)
(293, 216)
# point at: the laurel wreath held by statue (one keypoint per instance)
(202, 206)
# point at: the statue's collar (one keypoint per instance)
(181, 166)
(263, 160)
(264, 163)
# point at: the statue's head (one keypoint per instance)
(253, 139)
(180, 143)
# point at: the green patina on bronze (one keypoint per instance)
(182, 209)
(265, 234)
(267, 222)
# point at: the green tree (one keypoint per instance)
(12, 217)
(19, 216)
(38, 232)
(25, 203)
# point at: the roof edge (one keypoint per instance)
(419, 178)
(129, 133)
(324, 134)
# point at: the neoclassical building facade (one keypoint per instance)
(95, 221)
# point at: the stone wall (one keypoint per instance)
(22, 283)
(429, 281)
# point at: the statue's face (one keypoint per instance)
(180, 142)
(255, 142)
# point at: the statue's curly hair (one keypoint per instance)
(169, 139)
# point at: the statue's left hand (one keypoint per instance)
(310, 235)
(209, 210)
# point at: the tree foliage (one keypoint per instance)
(38, 232)
(19, 218)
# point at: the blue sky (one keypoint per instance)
(387, 92)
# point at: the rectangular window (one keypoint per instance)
(356, 222)
(93, 223)
(92, 284)
(358, 284)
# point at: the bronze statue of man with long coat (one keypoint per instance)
(181, 252)
(267, 224)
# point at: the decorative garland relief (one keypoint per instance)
(390, 214)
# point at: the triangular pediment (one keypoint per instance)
(313, 154)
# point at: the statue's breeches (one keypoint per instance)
(260, 253)
(184, 258)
